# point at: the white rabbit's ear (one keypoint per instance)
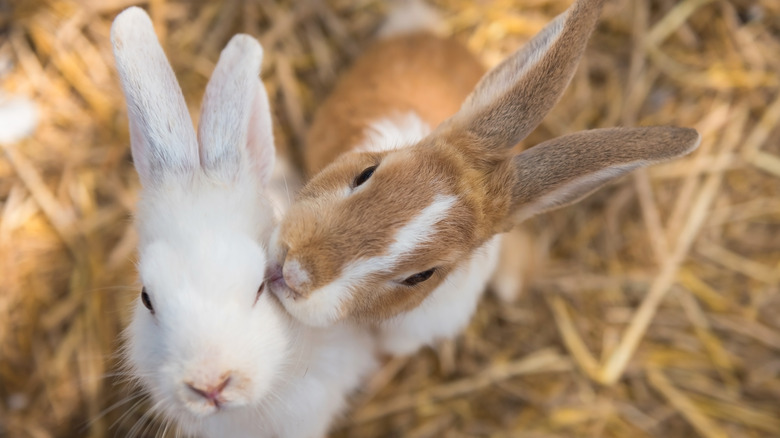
(235, 122)
(161, 133)
(566, 169)
(514, 97)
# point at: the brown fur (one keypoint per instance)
(556, 163)
(419, 72)
(468, 156)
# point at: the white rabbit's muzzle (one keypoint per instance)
(207, 393)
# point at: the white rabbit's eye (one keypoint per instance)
(146, 300)
(259, 292)
(419, 277)
(364, 176)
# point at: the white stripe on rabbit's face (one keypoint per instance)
(420, 230)
(331, 302)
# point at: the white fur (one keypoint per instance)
(419, 230)
(202, 260)
(409, 16)
(328, 304)
(284, 182)
(447, 310)
(394, 132)
(322, 308)
(236, 111)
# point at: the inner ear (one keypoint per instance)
(564, 170)
(568, 192)
(235, 130)
(260, 137)
(161, 133)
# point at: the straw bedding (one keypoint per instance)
(649, 309)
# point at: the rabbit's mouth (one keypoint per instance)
(281, 290)
(275, 280)
(200, 407)
(206, 403)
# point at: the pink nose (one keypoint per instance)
(210, 392)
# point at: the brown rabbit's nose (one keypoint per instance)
(210, 392)
(296, 277)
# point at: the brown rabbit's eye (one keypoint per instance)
(145, 299)
(364, 176)
(419, 277)
(259, 292)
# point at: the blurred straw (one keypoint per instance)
(650, 308)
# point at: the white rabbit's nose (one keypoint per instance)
(211, 392)
(295, 275)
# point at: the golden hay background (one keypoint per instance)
(683, 259)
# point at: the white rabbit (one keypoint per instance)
(219, 357)
(415, 178)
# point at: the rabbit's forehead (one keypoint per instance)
(390, 253)
(209, 266)
(400, 242)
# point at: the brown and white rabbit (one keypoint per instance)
(218, 357)
(415, 178)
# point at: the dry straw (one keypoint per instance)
(652, 308)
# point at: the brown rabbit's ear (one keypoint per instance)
(161, 133)
(566, 169)
(514, 97)
(235, 124)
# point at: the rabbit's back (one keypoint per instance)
(415, 73)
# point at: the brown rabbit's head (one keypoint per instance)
(374, 233)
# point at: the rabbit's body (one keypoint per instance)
(393, 97)
(218, 355)
(401, 226)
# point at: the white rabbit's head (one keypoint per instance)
(204, 338)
